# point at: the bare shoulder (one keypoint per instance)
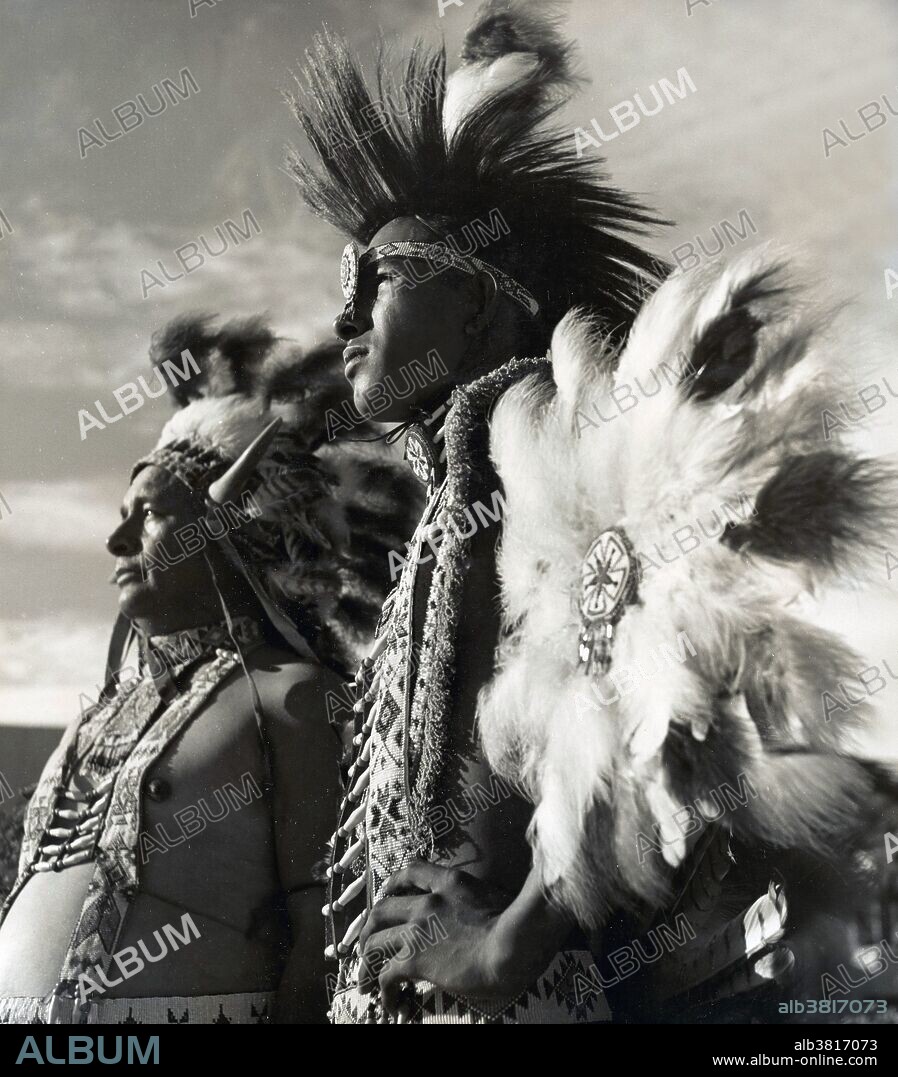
(293, 690)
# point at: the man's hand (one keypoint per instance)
(458, 932)
(437, 924)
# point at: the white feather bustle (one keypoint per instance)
(610, 758)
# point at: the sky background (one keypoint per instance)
(74, 326)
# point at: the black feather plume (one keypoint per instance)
(568, 230)
(193, 333)
(728, 346)
(816, 507)
(503, 27)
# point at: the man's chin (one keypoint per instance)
(135, 599)
(373, 401)
(362, 396)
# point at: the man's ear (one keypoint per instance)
(486, 299)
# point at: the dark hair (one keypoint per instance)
(567, 234)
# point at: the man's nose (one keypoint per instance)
(123, 542)
(350, 323)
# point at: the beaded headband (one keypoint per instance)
(197, 464)
(438, 254)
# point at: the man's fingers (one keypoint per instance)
(393, 977)
(420, 876)
(415, 877)
(379, 950)
(389, 912)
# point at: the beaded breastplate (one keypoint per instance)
(383, 818)
(376, 835)
(87, 805)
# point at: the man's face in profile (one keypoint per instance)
(398, 320)
(145, 543)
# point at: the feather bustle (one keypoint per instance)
(613, 764)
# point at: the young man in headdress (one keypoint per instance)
(478, 229)
(475, 228)
(168, 871)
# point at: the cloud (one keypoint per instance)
(87, 323)
(33, 705)
(69, 516)
(49, 668)
(62, 649)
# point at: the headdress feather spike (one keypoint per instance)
(510, 40)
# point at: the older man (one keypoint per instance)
(168, 870)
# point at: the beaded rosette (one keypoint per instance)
(609, 582)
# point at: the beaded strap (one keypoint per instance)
(443, 257)
(446, 258)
